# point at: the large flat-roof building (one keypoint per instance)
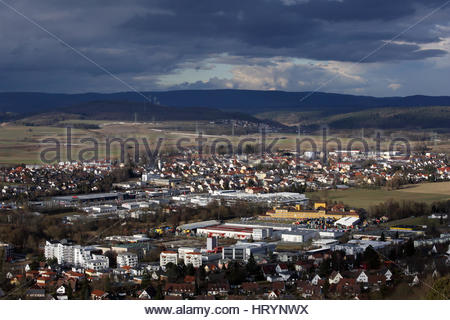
(279, 198)
(87, 198)
(262, 225)
(298, 212)
(223, 231)
(347, 222)
(243, 250)
(140, 248)
(298, 235)
(196, 225)
(235, 232)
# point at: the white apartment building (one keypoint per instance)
(80, 255)
(61, 250)
(183, 250)
(168, 257)
(127, 259)
(69, 254)
(104, 208)
(194, 258)
(97, 262)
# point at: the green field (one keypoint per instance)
(22, 143)
(413, 221)
(364, 198)
(433, 188)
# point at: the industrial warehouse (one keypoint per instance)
(225, 231)
(319, 211)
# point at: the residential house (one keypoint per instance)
(98, 295)
(307, 290)
(303, 266)
(387, 274)
(347, 287)
(249, 287)
(362, 278)
(415, 281)
(335, 277)
(61, 290)
(218, 288)
(146, 294)
(281, 267)
(179, 289)
(274, 295)
(35, 293)
(315, 280)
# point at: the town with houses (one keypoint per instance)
(223, 227)
(278, 158)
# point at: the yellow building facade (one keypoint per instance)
(298, 213)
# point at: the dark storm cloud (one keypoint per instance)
(141, 40)
(316, 29)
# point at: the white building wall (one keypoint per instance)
(62, 253)
(77, 256)
(224, 233)
(166, 257)
(292, 237)
(297, 237)
(97, 263)
(127, 259)
(193, 258)
(183, 250)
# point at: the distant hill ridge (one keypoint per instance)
(246, 101)
(134, 111)
(117, 110)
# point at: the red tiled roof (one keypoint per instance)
(98, 293)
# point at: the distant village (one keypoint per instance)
(223, 227)
(248, 173)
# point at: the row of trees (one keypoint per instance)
(394, 209)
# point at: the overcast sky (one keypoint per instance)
(291, 45)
